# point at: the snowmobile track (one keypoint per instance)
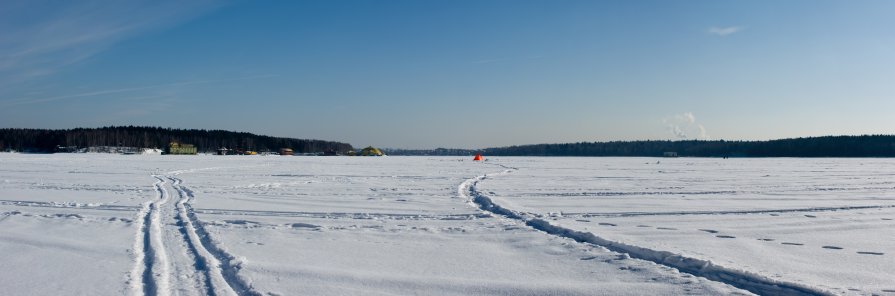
(754, 283)
(151, 263)
(219, 267)
(201, 267)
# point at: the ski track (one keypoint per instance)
(208, 269)
(745, 280)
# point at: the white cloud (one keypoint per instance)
(724, 31)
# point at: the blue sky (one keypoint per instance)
(465, 74)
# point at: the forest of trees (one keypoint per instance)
(46, 141)
(830, 146)
(430, 152)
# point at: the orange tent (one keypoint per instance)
(478, 157)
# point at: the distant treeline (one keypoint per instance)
(429, 152)
(831, 146)
(44, 140)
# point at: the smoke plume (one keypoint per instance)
(681, 126)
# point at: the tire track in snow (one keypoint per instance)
(219, 268)
(150, 274)
(197, 263)
(140, 283)
(752, 282)
(161, 266)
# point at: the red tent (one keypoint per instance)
(478, 157)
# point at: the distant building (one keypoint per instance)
(286, 151)
(670, 154)
(151, 151)
(181, 149)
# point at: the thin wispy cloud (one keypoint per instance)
(41, 37)
(97, 93)
(725, 31)
(488, 61)
(497, 60)
(139, 106)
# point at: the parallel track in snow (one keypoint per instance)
(150, 273)
(220, 268)
(173, 252)
(752, 282)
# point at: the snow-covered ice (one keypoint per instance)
(269, 225)
(824, 224)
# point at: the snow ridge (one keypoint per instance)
(752, 282)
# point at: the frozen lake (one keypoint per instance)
(269, 225)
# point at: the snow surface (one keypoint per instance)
(269, 225)
(824, 224)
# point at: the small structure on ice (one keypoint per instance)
(371, 151)
(178, 148)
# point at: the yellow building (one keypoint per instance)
(177, 148)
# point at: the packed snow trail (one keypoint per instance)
(752, 282)
(219, 267)
(151, 266)
(173, 253)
